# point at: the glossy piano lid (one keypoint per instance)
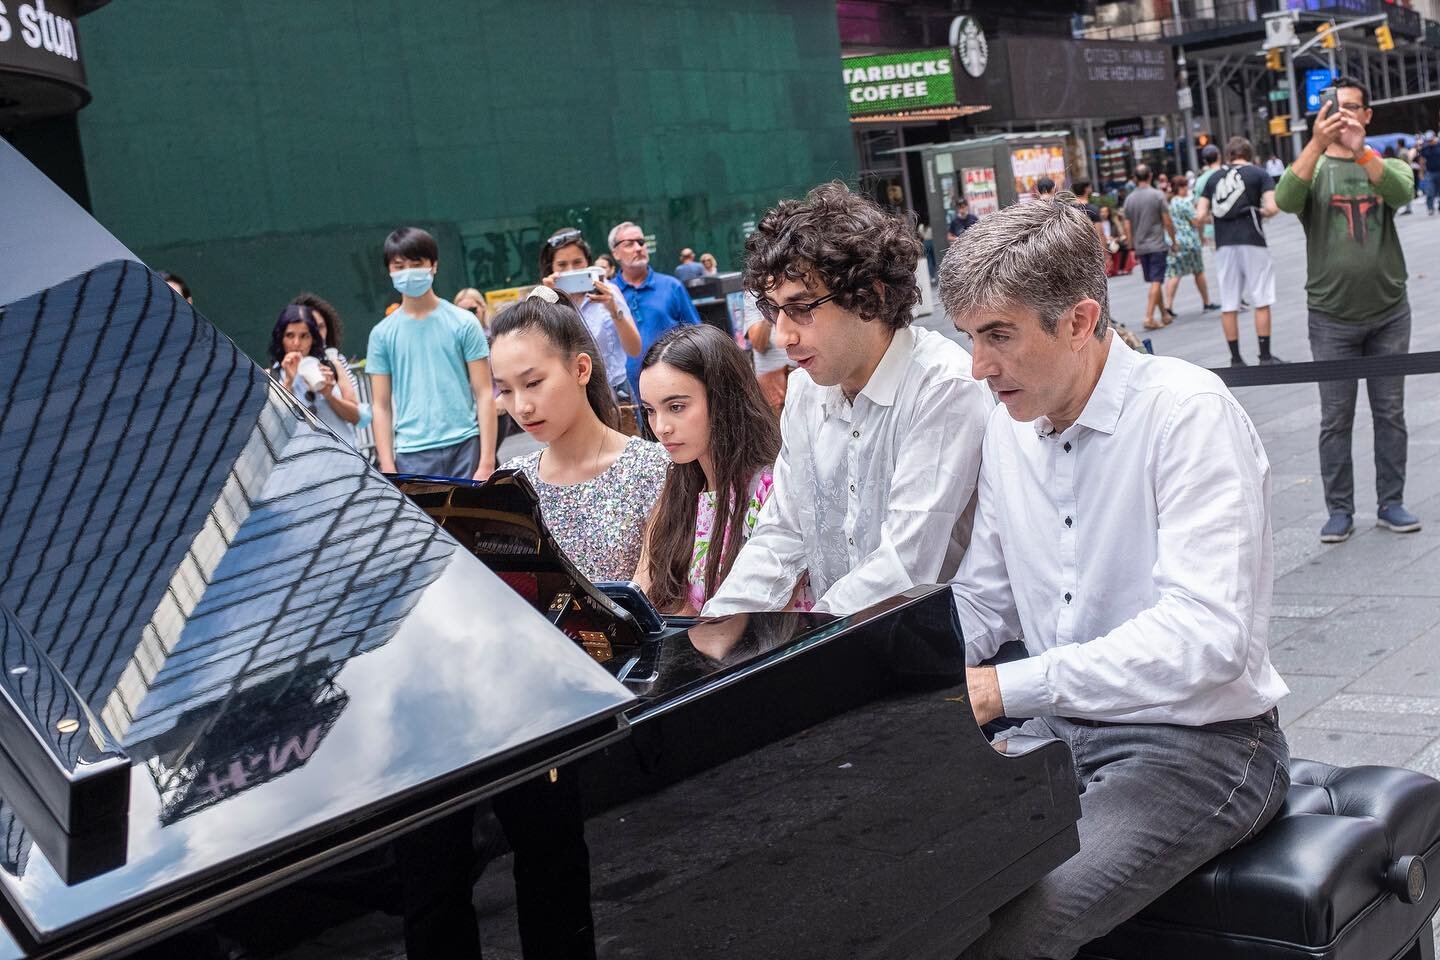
(276, 637)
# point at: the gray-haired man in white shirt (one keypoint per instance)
(1123, 530)
(874, 486)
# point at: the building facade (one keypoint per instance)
(259, 151)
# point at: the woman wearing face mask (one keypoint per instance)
(319, 385)
(603, 309)
(596, 485)
(704, 405)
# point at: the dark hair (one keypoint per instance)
(1210, 153)
(1356, 85)
(178, 280)
(1178, 181)
(296, 313)
(744, 439)
(962, 199)
(1079, 187)
(331, 316)
(547, 252)
(561, 325)
(410, 243)
(1044, 185)
(845, 241)
(1238, 148)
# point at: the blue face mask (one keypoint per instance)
(413, 281)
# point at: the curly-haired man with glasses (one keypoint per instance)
(875, 482)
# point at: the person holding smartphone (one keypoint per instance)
(1346, 196)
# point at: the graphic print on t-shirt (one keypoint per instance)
(1357, 211)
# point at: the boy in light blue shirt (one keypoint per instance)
(429, 373)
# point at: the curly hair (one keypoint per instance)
(844, 242)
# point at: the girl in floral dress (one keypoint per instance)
(704, 405)
(1188, 260)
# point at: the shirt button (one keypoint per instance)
(1067, 598)
(851, 541)
(852, 488)
(1067, 446)
(1068, 521)
(855, 434)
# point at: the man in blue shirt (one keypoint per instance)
(429, 373)
(657, 301)
(688, 269)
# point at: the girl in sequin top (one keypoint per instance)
(596, 486)
(701, 398)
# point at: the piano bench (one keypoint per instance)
(1338, 875)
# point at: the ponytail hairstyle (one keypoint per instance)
(744, 439)
(558, 322)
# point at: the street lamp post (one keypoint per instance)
(1187, 105)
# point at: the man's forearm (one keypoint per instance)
(485, 419)
(383, 429)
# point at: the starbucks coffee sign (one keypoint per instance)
(898, 81)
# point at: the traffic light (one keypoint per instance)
(1326, 33)
(1274, 60)
(1382, 36)
(1279, 126)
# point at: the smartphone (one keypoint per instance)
(1328, 96)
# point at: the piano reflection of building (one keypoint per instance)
(255, 560)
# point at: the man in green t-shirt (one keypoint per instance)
(1346, 197)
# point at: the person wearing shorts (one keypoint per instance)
(1151, 234)
(1238, 198)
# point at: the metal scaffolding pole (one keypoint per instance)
(1205, 100)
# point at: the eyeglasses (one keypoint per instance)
(797, 312)
(563, 237)
(638, 241)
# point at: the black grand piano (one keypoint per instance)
(237, 660)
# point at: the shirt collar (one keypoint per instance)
(1102, 410)
(649, 275)
(885, 381)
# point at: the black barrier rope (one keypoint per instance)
(1313, 371)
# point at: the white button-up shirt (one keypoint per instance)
(1132, 553)
(871, 498)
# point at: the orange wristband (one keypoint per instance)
(1368, 155)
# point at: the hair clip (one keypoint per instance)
(542, 292)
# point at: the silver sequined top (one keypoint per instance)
(600, 523)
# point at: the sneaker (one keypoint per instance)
(1337, 529)
(1395, 517)
(1211, 307)
(1270, 360)
(1237, 362)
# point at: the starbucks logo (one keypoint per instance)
(970, 45)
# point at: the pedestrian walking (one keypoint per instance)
(1187, 260)
(1239, 199)
(1346, 197)
(704, 406)
(299, 363)
(1085, 201)
(1210, 158)
(1150, 232)
(429, 372)
(875, 481)
(1429, 154)
(604, 310)
(688, 269)
(657, 301)
(596, 486)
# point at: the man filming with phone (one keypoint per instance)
(1346, 196)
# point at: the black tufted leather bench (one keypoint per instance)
(1338, 875)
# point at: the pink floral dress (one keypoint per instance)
(760, 489)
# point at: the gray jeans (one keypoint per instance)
(1156, 802)
(1332, 339)
(459, 460)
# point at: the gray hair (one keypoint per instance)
(1042, 256)
(617, 228)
